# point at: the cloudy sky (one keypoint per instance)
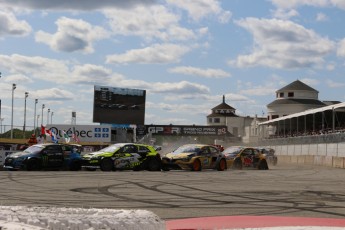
(185, 53)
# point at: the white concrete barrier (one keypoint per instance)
(328, 154)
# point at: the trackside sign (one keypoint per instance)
(85, 133)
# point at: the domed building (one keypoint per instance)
(294, 98)
(243, 127)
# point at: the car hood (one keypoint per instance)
(178, 156)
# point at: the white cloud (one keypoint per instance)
(53, 94)
(259, 91)
(74, 5)
(333, 84)
(159, 53)
(11, 26)
(56, 71)
(320, 17)
(339, 3)
(203, 8)
(61, 73)
(149, 22)
(183, 87)
(285, 13)
(296, 3)
(316, 3)
(72, 35)
(341, 48)
(208, 73)
(18, 78)
(283, 44)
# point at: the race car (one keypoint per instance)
(123, 156)
(45, 156)
(194, 157)
(239, 157)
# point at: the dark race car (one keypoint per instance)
(194, 157)
(45, 156)
(123, 156)
(239, 157)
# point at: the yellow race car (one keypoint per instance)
(194, 157)
(239, 157)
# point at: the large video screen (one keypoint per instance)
(119, 105)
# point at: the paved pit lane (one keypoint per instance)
(284, 190)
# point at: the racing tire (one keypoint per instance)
(154, 165)
(196, 166)
(263, 165)
(106, 165)
(165, 168)
(33, 165)
(237, 164)
(75, 166)
(222, 165)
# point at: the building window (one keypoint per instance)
(290, 94)
(275, 116)
(210, 120)
(281, 94)
(216, 120)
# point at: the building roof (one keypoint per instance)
(223, 105)
(222, 115)
(331, 102)
(292, 101)
(297, 85)
(335, 107)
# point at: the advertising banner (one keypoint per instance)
(186, 130)
(81, 133)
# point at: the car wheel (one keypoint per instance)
(154, 165)
(263, 165)
(165, 168)
(221, 165)
(237, 164)
(33, 165)
(106, 164)
(196, 166)
(75, 166)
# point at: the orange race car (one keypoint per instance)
(194, 157)
(239, 157)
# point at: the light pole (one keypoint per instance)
(13, 88)
(38, 116)
(51, 118)
(42, 115)
(1, 119)
(26, 96)
(48, 116)
(36, 100)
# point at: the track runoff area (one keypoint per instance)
(285, 195)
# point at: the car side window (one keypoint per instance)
(130, 149)
(214, 151)
(52, 149)
(247, 152)
(204, 151)
(143, 149)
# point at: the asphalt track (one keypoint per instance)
(283, 191)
